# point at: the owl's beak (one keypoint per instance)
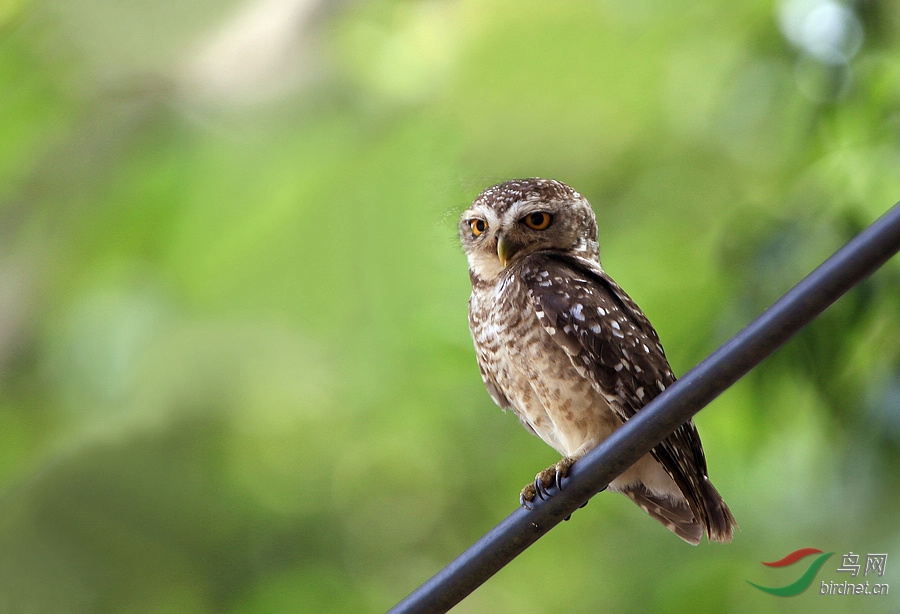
(506, 249)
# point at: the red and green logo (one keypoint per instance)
(802, 583)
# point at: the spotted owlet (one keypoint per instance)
(563, 346)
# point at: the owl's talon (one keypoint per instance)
(562, 471)
(527, 496)
(543, 481)
(539, 488)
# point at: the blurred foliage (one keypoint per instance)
(235, 372)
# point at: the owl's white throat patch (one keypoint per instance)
(487, 266)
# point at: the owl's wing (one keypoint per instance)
(611, 343)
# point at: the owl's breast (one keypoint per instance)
(526, 370)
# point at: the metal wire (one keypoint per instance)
(864, 254)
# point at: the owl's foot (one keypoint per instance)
(552, 475)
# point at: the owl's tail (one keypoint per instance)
(720, 523)
(675, 514)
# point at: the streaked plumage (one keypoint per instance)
(564, 347)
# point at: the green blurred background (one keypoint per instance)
(235, 370)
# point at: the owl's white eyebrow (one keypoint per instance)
(481, 213)
(530, 206)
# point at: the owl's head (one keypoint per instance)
(511, 220)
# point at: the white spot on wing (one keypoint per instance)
(576, 312)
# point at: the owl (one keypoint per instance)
(560, 344)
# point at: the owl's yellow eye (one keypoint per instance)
(478, 227)
(539, 220)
